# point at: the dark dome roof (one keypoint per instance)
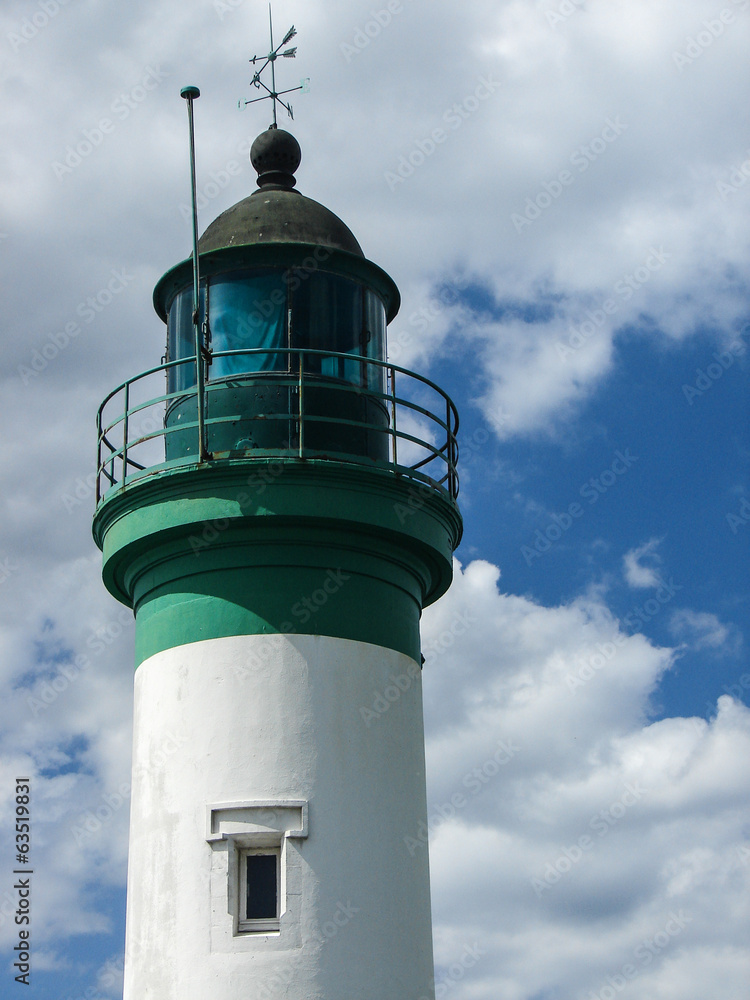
(276, 213)
(278, 217)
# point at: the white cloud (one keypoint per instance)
(638, 574)
(702, 630)
(606, 841)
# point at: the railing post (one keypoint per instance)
(125, 431)
(393, 415)
(449, 445)
(300, 405)
(98, 456)
(199, 389)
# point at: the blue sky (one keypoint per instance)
(667, 496)
(572, 256)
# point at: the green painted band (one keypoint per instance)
(313, 549)
(280, 600)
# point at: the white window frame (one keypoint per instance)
(233, 830)
(264, 924)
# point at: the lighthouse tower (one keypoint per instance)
(277, 505)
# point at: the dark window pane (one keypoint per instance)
(327, 316)
(247, 312)
(181, 339)
(261, 886)
(375, 340)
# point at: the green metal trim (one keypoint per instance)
(214, 552)
(285, 255)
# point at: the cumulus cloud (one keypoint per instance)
(65, 722)
(576, 842)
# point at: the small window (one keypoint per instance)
(259, 890)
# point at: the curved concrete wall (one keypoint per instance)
(309, 742)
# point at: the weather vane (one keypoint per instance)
(270, 59)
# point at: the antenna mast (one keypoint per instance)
(190, 94)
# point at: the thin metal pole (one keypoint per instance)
(190, 94)
(273, 64)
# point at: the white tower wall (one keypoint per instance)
(313, 744)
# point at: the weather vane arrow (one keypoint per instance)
(270, 60)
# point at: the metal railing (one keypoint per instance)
(419, 421)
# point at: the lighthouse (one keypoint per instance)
(277, 502)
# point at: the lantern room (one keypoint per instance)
(294, 328)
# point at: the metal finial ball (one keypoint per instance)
(275, 150)
(276, 154)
